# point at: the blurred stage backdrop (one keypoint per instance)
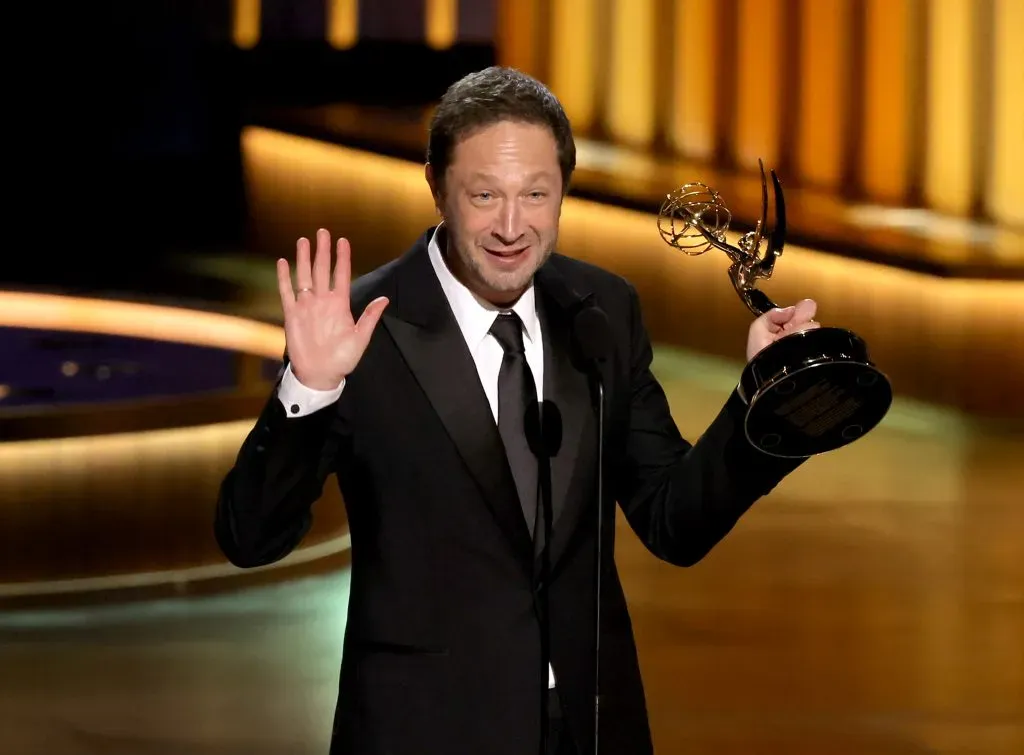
(164, 154)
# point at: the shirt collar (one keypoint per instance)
(474, 315)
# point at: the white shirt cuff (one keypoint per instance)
(299, 400)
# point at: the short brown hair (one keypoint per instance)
(490, 96)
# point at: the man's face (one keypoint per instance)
(501, 201)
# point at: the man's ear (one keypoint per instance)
(435, 188)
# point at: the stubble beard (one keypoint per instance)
(511, 283)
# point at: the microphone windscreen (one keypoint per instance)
(591, 332)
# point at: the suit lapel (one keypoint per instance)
(425, 330)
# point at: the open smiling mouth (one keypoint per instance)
(506, 254)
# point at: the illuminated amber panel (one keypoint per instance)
(892, 93)
(696, 76)
(949, 168)
(574, 50)
(442, 23)
(758, 97)
(520, 38)
(1006, 189)
(245, 23)
(631, 110)
(342, 23)
(823, 117)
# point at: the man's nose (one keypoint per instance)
(509, 226)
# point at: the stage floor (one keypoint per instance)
(872, 605)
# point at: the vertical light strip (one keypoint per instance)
(891, 93)
(823, 117)
(695, 75)
(342, 23)
(442, 18)
(631, 111)
(573, 74)
(759, 80)
(245, 23)
(519, 38)
(1005, 200)
(950, 117)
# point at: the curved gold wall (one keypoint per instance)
(123, 494)
(959, 342)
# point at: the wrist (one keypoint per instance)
(317, 382)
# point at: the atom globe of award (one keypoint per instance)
(810, 392)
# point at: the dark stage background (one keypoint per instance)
(126, 120)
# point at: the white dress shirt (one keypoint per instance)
(475, 318)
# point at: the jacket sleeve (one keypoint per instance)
(265, 500)
(680, 498)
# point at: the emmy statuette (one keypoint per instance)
(810, 392)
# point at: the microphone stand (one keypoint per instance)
(540, 432)
(592, 340)
(545, 575)
(600, 561)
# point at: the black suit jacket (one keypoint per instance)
(451, 622)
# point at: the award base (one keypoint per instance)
(812, 392)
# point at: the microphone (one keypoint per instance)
(591, 335)
(592, 342)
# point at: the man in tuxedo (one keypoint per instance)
(452, 392)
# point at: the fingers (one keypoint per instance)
(777, 318)
(804, 311)
(793, 315)
(343, 268)
(802, 317)
(284, 285)
(303, 269)
(315, 276)
(322, 263)
(370, 317)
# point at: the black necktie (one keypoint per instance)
(517, 395)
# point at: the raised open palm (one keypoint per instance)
(324, 341)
